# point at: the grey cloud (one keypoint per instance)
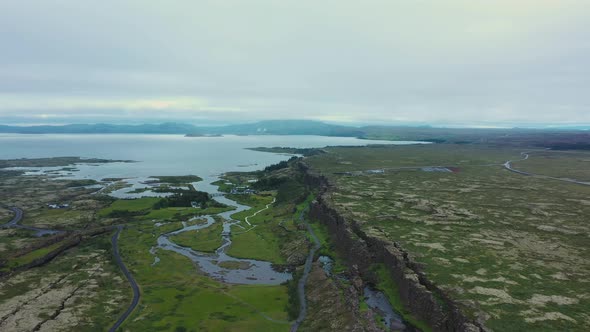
(381, 61)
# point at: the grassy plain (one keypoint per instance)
(561, 164)
(207, 239)
(176, 297)
(31, 256)
(178, 180)
(133, 205)
(175, 294)
(272, 235)
(512, 249)
(142, 209)
(12, 239)
(60, 218)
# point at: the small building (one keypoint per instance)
(242, 191)
(58, 206)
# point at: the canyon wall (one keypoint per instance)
(421, 297)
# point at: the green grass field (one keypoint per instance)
(60, 218)
(132, 205)
(563, 164)
(143, 209)
(206, 239)
(176, 297)
(180, 213)
(264, 240)
(33, 255)
(13, 239)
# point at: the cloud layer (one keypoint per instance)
(440, 62)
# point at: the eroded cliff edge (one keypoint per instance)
(421, 297)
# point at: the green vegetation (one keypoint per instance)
(81, 183)
(153, 208)
(53, 162)
(175, 294)
(83, 278)
(14, 239)
(286, 150)
(261, 242)
(176, 180)
(280, 165)
(181, 213)
(138, 206)
(272, 235)
(60, 218)
(508, 247)
(294, 304)
(256, 203)
(231, 180)
(176, 297)
(118, 185)
(30, 257)
(328, 247)
(207, 239)
(185, 198)
(562, 164)
(390, 289)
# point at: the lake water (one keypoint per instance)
(163, 154)
(158, 155)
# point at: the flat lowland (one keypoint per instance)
(513, 250)
(207, 239)
(560, 164)
(177, 297)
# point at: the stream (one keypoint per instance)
(391, 318)
(251, 272)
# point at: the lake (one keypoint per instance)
(157, 155)
(164, 154)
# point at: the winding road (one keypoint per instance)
(525, 155)
(134, 286)
(508, 165)
(18, 216)
(306, 270)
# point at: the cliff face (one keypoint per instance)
(420, 296)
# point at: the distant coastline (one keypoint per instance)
(203, 135)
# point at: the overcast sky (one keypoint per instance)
(470, 62)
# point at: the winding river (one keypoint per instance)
(251, 272)
(160, 155)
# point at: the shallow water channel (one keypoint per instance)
(391, 318)
(251, 272)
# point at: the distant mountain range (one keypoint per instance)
(164, 128)
(553, 136)
(289, 127)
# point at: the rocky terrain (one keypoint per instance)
(475, 248)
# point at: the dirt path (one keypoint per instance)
(257, 212)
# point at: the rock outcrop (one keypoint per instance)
(420, 296)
